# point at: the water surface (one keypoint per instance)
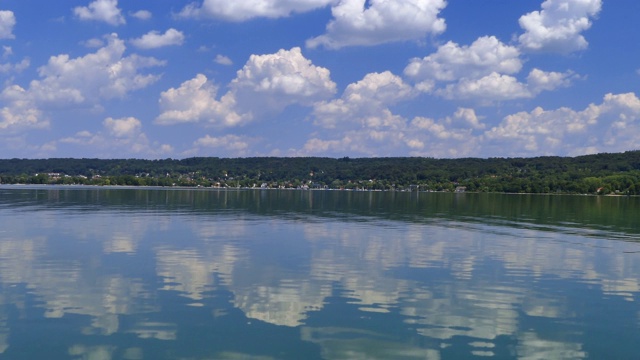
(116, 273)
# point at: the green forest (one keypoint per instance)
(607, 173)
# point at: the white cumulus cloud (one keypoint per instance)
(274, 81)
(155, 39)
(66, 82)
(361, 120)
(9, 67)
(249, 9)
(539, 80)
(223, 60)
(466, 117)
(15, 67)
(499, 87)
(7, 22)
(93, 43)
(452, 62)
(74, 82)
(19, 111)
(195, 101)
(493, 87)
(372, 22)
(453, 136)
(101, 10)
(119, 138)
(486, 71)
(364, 103)
(104, 74)
(319, 146)
(558, 27)
(230, 145)
(266, 84)
(125, 127)
(142, 15)
(612, 126)
(448, 137)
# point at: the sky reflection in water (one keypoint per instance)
(163, 274)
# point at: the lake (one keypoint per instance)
(145, 273)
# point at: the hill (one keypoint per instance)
(601, 173)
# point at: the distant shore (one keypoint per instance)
(150, 187)
(599, 174)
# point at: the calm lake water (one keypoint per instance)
(116, 273)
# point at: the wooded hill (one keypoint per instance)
(601, 173)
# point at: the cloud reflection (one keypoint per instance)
(448, 283)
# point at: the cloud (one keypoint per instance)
(7, 22)
(381, 88)
(373, 22)
(364, 103)
(454, 136)
(230, 145)
(195, 101)
(452, 62)
(319, 146)
(104, 74)
(67, 83)
(223, 60)
(269, 83)
(484, 71)
(20, 111)
(101, 10)
(361, 120)
(250, 9)
(539, 130)
(466, 118)
(142, 15)
(493, 87)
(125, 127)
(21, 142)
(119, 138)
(458, 135)
(232, 141)
(539, 80)
(558, 26)
(93, 43)
(364, 142)
(154, 39)
(497, 87)
(266, 84)
(612, 126)
(622, 112)
(432, 130)
(15, 67)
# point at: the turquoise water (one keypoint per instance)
(116, 273)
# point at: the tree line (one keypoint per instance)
(606, 173)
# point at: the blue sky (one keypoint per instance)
(358, 78)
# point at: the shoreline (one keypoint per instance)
(202, 188)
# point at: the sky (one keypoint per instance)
(332, 78)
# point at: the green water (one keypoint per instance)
(115, 273)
